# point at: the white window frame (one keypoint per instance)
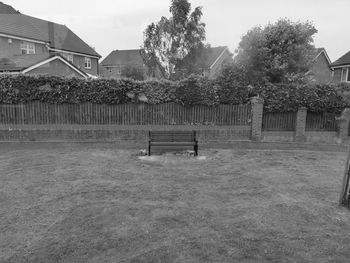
(87, 63)
(344, 75)
(27, 48)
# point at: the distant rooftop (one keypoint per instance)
(123, 57)
(343, 60)
(133, 57)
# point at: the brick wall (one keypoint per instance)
(257, 118)
(79, 62)
(55, 68)
(321, 70)
(125, 133)
(10, 49)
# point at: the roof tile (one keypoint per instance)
(59, 36)
(344, 60)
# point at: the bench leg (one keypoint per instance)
(196, 150)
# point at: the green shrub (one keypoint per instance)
(230, 89)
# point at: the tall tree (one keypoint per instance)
(171, 39)
(278, 51)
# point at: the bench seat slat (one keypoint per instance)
(173, 138)
(173, 143)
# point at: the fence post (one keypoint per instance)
(344, 125)
(300, 125)
(257, 117)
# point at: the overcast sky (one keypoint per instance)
(107, 25)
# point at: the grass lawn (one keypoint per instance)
(99, 204)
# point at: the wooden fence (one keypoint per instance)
(124, 114)
(279, 121)
(324, 121)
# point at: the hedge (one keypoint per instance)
(190, 91)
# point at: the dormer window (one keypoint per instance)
(27, 48)
(87, 63)
(345, 76)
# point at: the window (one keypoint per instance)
(88, 63)
(345, 76)
(27, 48)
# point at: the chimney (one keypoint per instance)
(51, 28)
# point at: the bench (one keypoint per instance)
(173, 138)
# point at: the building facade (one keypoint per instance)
(341, 69)
(27, 41)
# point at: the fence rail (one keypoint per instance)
(124, 114)
(324, 121)
(279, 121)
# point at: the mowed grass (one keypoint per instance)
(101, 204)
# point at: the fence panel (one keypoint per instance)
(124, 114)
(279, 121)
(324, 121)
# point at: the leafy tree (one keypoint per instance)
(277, 52)
(193, 64)
(171, 39)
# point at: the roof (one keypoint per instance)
(213, 55)
(58, 36)
(344, 60)
(123, 57)
(22, 61)
(320, 51)
(133, 57)
(26, 63)
(7, 9)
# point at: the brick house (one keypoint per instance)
(30, 45)
(341, 68)
(320, 68)
(218, 56)
(112, 66)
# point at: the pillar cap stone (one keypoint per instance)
(256, 99)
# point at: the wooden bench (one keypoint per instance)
(173, 138)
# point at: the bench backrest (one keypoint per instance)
(172, 136)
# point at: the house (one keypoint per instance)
(341, 68)
(320, 68)
(114, 64)
(7, 9)
(31, 45)
(217, 57)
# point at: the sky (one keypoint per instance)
(108, 25)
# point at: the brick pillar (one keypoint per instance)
(257, 115)
(344, 125)
(300, 125)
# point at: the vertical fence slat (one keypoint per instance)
(37, 113)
